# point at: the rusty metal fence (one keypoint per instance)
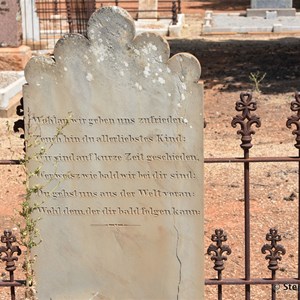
(45, 21)
(9, 254)
(218, 249)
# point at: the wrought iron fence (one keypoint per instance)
(45, 21)
(218, 249)
(8, 255)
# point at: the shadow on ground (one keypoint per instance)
(228, 64)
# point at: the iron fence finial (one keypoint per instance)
(246, 105)
(275, 250)
(219, 249)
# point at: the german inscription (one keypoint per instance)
(137, 163)
(114, 131)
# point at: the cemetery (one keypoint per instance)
(141, 165)
(262, 16)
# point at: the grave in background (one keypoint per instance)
(264, 16)
(10, 92)
(10, 23)
(149, 21)
(271, 4)
(120, 192)
(271, 8)
(148, 9)
(13, 56)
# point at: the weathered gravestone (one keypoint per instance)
(120, 196)
(10, 23)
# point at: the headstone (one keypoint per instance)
(148, 9)
(114, 130)
(271, 4)
(265, 8)
(10, 23)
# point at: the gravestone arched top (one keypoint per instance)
(111, 24)
(112, 49)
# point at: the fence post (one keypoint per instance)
(55, 7)
(246, 120)
(69, 15)
(9, 250)
(179, 6)
(174, 13)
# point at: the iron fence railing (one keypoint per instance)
(218, 249)
(9, 254)
(46, 21)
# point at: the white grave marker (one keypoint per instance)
(121, 201)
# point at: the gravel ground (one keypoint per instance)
(7, 78)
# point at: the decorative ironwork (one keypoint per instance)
(295, 119)
(174, 13)
(8, 238)
(219, 249)
(69, 15)
(19, 124)
(179, 6)
(55, 7)
(275, 250)
(246, 105)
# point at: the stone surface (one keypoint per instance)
(161, 27)
(237, 23)
(271, 15)
(10, 23)
(262, 12)
(10, 84)
(277, 28)
(271, 3)
(119, 179)
(148, 8)
(267, 8)
(10, 110)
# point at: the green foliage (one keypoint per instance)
(29, 234)
(256, 78)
